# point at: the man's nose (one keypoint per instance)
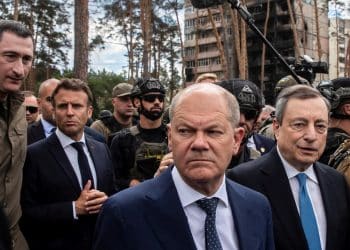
(200, 142)
(18, 68)
(310, 132)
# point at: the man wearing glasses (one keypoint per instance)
(31, 103)
(137, 151)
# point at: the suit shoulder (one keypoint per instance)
(132, 196)
(249, 198)
(247, 192)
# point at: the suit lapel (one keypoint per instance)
(40, 130)
(327, 193)
(61, 158)
(277, 189)
(166, 217)
(95, 156)
(241, 216)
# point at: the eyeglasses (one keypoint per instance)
(250, 114)
(32, 109)
(153, 97)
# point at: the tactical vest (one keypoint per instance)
(341, 159)
(147, 156)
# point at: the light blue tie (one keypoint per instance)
(307, 216)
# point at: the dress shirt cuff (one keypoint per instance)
(74, 212)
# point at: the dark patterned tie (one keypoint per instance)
(212, 241)
(307, 216)
(83, 164)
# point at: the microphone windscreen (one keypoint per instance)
(200, 4)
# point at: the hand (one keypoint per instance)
(90, 200)
(95, 200)
(166, 161)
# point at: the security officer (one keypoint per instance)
(337, 91)
(123, 111)
(251, 103)
(137, 151)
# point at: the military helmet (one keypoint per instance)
(337, 92)
(147, 85)
(104, 114)
(246, 92)
(288, 81)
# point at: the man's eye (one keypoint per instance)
(321, 128)
(215, 133)
(184, 131)
(297, 125)
(10, 57)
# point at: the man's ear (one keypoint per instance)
(169, 136)
(238, 137)
(276, 127)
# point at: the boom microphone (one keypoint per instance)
(201, 4)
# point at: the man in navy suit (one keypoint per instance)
(300, 129)
(46, 125)
(167, 212)
(63, 187)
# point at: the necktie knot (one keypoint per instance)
(83, 164)
(208, 205)
(302, 179)
(78, 146)
(52, 130)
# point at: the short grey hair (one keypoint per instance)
(231, 101)
(300, 92)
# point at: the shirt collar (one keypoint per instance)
(189, 195)
(66, 140)
(292, 172)
(47, 126)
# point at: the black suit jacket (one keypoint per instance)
(36, 132)
(267, 175)
(49, 188)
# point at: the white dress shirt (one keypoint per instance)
(72, 155)
(196, 216)
(314, 192)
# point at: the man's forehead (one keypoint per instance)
(13, 43)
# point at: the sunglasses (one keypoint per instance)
(250, 114)
(153, 97)
(31, 109)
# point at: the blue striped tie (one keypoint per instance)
(307, 216)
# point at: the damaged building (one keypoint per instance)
(215, 40)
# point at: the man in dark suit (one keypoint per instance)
(67, 176)
(300, 129)
(47, 124)
(170, 211)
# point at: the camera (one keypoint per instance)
(307, 68)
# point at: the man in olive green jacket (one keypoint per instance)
(16, 56)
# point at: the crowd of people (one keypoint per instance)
(217, 169)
